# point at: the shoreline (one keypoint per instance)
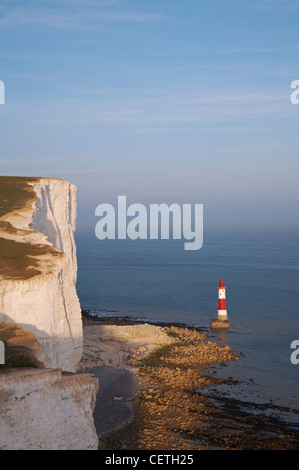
(172, 408)
(130, 320)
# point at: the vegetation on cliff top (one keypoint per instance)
(15, 193)
(18, 260)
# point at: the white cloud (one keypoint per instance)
(274, 6)
(156, 112)
(66, 18)
(242, 50)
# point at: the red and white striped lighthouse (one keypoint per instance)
(222, 312)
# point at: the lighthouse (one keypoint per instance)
(222, 320)
(222, 312)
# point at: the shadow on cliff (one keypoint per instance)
(54, 236)
(45, 351)
(21, 347)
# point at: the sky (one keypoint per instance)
(164, 101)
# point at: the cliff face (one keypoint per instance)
(47, 409)
(43, 405)
(38, 266)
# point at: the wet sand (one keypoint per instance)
(156, 397)
(117, 389)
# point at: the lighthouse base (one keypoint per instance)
(217, 324)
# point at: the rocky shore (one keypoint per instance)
(172, 409)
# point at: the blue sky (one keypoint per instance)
(182, 101)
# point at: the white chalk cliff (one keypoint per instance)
(46, 303)
(50, 407)
(45, 409)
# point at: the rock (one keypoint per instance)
(219, 324)
(118, 398)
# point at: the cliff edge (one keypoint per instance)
(38, 265)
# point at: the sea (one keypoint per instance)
(158, 281)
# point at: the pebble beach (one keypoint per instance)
(170, 403)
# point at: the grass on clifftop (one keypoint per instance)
(15, 193)
(18, 260)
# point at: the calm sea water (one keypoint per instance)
(157, 280)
